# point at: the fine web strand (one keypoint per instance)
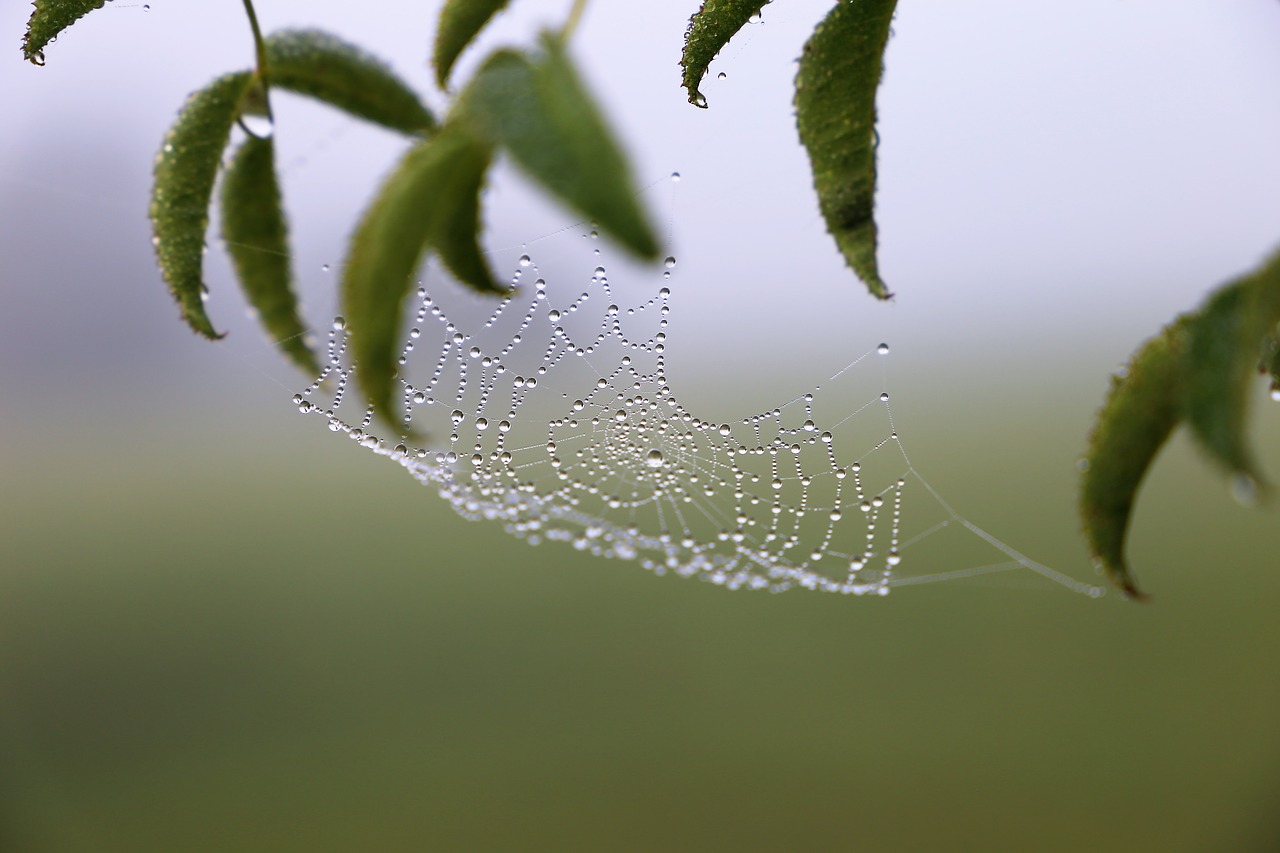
(553, 414)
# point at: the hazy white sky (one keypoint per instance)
(1055, 178)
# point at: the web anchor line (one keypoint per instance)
(554, 416)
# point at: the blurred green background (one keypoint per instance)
(221, 628)
(213, 643)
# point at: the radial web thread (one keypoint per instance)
(557, 419)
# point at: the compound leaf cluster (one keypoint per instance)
(531, 105)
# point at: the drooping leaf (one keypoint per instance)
(257, 238)
(185, 171)
(455, 234)
(836, 115)
(709, 30)
(460, 22)
(1226, 337)
(538, 110)
(1199, 369)
(49, 18)
(428, 199)
(324, 67)
(1144, 405)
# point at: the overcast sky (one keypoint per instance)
(1056, 180)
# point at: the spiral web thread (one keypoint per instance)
(559, 422)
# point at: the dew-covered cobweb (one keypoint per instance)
(553, 416)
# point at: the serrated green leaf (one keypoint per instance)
(185, 171)
(257, 238)
(325, 67)
(709, 30)
(1144, 405)
(1225, 340)
(455, 234)
(1199, 369)
(836, 116)
(538, 110)
(460, 22)
(429, 199)
(49, 18)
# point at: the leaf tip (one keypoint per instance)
(1118, 572)
(1132, 593)
(202, 326)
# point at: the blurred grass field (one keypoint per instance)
(208, 643)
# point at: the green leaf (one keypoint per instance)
(709, 30)
(1199, 369)
(1145, 404)
(49, 18)
(538, 110)
(454, 234)
(460, 22)
(836, 115)
(1226, 337)
(325, 67)
(185, 171)
(429, 199)
(257, 238)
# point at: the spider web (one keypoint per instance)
(555, 416)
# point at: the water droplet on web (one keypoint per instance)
(675, 177)
(654, 459)
(721, 76)
(883, 349)
(525, 260)
(669, 262)
(884, 396)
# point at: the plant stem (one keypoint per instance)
(261, 52)
(571, 23)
